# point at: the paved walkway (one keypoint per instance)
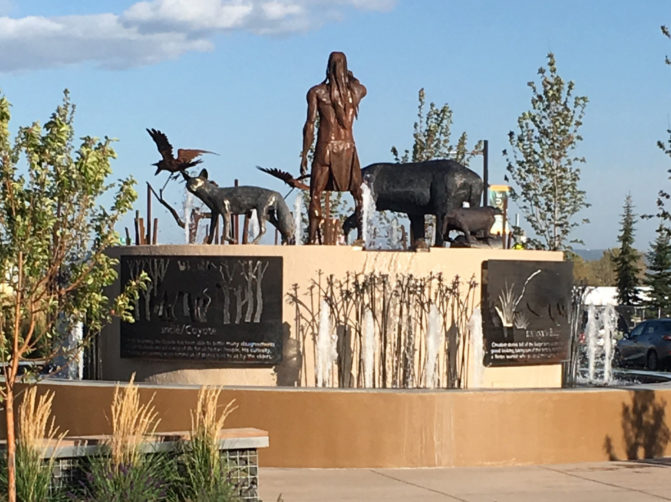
(644, 481)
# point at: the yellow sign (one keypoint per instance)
(498, 195)
(498, 198)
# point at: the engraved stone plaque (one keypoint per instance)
(224, 308)
(525, 311)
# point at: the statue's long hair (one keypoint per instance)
(337, 79)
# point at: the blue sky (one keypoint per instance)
(231, 76)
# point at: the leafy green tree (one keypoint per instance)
(626, 261)
(580, 269)
(53, 237)
(432, 140)
(432, 135)
(595, 272)
(541, 163)
(663, 195)
(658, 275)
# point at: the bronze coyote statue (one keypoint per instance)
(227, 201)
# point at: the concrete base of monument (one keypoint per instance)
(333, 428)
(297, 277)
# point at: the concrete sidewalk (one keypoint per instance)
(637, 481)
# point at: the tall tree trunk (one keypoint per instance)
(11, 443)
(10, 380)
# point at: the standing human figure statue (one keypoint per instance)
(335, 165)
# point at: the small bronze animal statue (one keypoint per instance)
(185, 158)
(269, 205)
(471, 221)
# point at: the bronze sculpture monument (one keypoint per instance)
(437, 187)
(335, 166)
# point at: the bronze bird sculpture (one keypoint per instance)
(286, 177)
(185, 158)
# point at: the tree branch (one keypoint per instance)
(172, 210)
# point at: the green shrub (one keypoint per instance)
(205, 475)
(123, 471)
(150, 478)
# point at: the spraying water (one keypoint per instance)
(591, 333)
(188, 205)
(395, 322)
(394, 234)
(298, 211)
(253, 229)
(609, 326)
(70, 355)
(326, 346)
(368, 212)
(368, 347)
(477, 346)
(599, 331)
(434, 340)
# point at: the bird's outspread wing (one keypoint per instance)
(162, 143)
(284, 176)
(187, 155)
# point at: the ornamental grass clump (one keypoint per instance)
(124, 471)
(131, 423)
(36, 435)
(206, 474)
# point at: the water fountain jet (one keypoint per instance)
(298, 212)
(369, 347)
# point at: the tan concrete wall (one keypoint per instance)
(341, 428)
(302, 265)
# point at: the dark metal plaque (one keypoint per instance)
(206, 308)
(525, 310)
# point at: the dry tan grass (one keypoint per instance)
(131, 423)
(35, 423)
(207, 419)
(207, 473)
(36, 436)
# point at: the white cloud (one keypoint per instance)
(37, 42)
(156, 30)
(375, 5)
(275, 11)
(188, 15)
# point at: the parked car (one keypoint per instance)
(647, 345)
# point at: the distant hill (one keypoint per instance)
(589, 254)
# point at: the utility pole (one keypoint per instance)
(485, 172)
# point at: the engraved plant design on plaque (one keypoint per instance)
(507, 306)
(240, 284)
